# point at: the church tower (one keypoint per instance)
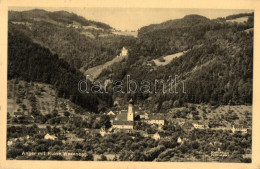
(130, 114)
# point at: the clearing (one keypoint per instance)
(239, 20)
(94, 72)
(167, 59)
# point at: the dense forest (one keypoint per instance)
(31, 62)
(217, 65)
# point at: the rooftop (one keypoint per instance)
(119, 122)
(122, 116)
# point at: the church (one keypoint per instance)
(125, 118)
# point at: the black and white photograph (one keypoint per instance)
(129, 84)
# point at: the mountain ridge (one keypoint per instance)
(62, 16)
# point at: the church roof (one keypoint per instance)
(122, 116)
(119, 122)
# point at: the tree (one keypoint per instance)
(66, 113)
(105, 121)
(89, 157)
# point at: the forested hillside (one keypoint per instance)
(62, 17)
(217, 66)
(80, 42)
(31, 62)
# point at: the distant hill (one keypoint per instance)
(80, 42)
(187, 21)
(235, 16)
(59, 17)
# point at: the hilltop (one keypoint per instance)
(82, 43)
(57, 17)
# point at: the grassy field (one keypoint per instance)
(127, 33)
(167, 59)
(94, 72)
(239, 20)
(249, 30)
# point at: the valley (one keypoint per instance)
(48, 118)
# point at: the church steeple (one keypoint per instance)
(130, 113)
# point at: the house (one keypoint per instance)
(116, 103)
(144, 134)
(124, 52)
(143, 115)
(104, 132)
(179, 140)
(18, 114)
(247, 156)
(189, 116)
(215, 143)
(199, 125)
(111, 113)
(180, 121)
(160, 135)
(156, 136)
(125, 118)
(73, 118)
(123, 124)
(9, 143)
(219, 153)
(155, 119)
(50, 137)
(239, 128)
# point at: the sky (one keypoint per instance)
(135, 18)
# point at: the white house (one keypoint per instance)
(198, 125)
(239, 128)
(50, 137)
(179, 140)
(102, 132)
(144, 115)
(9, 143)
(111, 113)
(156, 136)
(155, 119)
(124, 52)
(219, 153)
(160, 135)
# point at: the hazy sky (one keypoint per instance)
(134, 18)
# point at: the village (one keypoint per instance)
(70, 128)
